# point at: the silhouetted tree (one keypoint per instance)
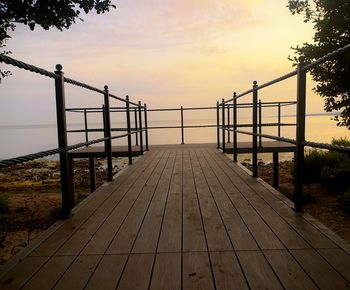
(48, 14)
(331, 19)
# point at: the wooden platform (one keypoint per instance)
(99, 151)
(184, 217)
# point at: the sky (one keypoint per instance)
(169, 52)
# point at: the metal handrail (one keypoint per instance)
(300, 141)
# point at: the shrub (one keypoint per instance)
(329, 167)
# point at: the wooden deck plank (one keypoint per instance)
(171, 233)
(305, 229)
(192, 220)
(82, 236)
(196, 271)
(125, 237)
(262, 233)
(319, 270)
(101, 195)
(291, 275)
(17, 277)
(239, 234)
(78, 273)
(257, 270)
(47, 276)
(107, 273)
(102, 238)
(193, 232)
(228, 274)
(167, 272)
(137, 272)
(147, 239)
(339, 260)
(215, 231)
(249, 189)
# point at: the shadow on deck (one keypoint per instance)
(184, 217)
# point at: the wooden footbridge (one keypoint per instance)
(183, 216)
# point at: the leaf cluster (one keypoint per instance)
(331, 19)
(60, 14)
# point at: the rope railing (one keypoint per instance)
(29, 157)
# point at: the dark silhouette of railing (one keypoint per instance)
(66, 167)
(299, 142)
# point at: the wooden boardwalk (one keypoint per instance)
(184, 217)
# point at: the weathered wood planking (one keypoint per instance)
(185, 217)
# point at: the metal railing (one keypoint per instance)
(300, 142)
(66, 167)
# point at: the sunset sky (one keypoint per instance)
(171, 51)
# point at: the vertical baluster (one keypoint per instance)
(300, 138)
(67, 189)
(107, 129)
(182, 126)
(136, 128)
(260, 122)
(218, 124)
(255, 129)
(223, 127)
(228, 124)
(146, 127)
(235, 127)
(140, 128)
(128, 123)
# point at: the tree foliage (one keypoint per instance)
(331, 19)
(60, 14)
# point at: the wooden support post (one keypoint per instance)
(234, 127)
(66, 187)
(255, 129)
(223, 126)
(128, 123)
(146, 127)
(275, 170)
(260, 123)
(140, 128)
(300, 138)
(107, 129)
(182, 126)
(136, 128)
(218, 125)
(228, 124)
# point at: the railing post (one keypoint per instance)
(300, 138)
(234, 127)
(279, 119)
(136, 128)
(255, 129)
(108, 142)
(66, 186)
(218, 124)
(91, 159)
(140, 128)
(146, 127)
(223, 127)
(127, 104)
(260, 122)
(182, 126)
(228, 124)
